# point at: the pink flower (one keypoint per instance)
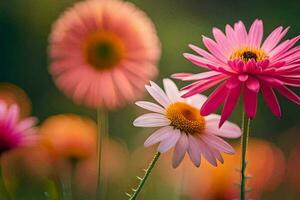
(183, 127)
(243, 64)
(13, 132)
(103, 53)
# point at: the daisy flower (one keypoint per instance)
(243, 64)
(14, 132)
(182, 126)
(102, 58)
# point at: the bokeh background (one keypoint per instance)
(24, 29)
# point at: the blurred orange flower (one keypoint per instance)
(69, 136)
(266, 167)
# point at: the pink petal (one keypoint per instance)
(12, 115)
(205, 54)
(271, 100)
(26, 123)
(241, 33)
(218, 155)
(214, 100)
(201, 76)
(288, 94)
(214, 48)
(250, 97)
(222, 41)
(228, 129)
(231, 100)
(194, 151)
(255, 34)
(217, 143)
(159, 135)
(206, 151)
(274, 38)
(180, 150)
(201, 86)
(169, 142)
(158, 94)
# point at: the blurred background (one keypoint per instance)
(274, 153)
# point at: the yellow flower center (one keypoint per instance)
(103, 50)
(247, 54)
(185, 118)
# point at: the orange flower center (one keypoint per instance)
(247, 54)
(103, 50)
(185, 118)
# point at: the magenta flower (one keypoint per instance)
(13, 132)
(242, 64)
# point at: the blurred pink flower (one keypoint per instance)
(14, 132)
(103, 53)
(245, 65)
(183, 127)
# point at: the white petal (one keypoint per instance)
(150, 106)
(158, 94)
(228, 130)
(194, 151)
(151, 120)
(207, 152)
(180, 150)
(196, 100)
(169, 142)
(159, 135)
(171, 90)
(217, 143)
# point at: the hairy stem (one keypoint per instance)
(244, 145)
(144, 179)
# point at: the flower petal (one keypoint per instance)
(180, 150)
(151, 120)
(285, 91)
(255, 34)
(26, 123)
(194, 151)
(206, 151)
(169, 142)
(197, 100)
(228, 129)
(217, 143)
(231, 99)
(271, 100)
(214, 100)
(158, 94)
(159, 135)
(150, 106)
(250, 96)
(171, 90)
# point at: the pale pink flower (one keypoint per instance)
(103, 53)
(243, 64)
(183, 127)
(14, 132)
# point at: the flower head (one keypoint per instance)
(14, 132)
(243, 64)
(103, 58)
(69, 137)
(183, 127)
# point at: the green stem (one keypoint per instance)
(143, 180)
(102, 123)
(4, 193)
(244, 145)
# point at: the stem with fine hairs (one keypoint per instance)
(102, 127)
(144, 179)
(244, 162)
